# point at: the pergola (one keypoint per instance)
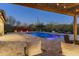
(71, 9)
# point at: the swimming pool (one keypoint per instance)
(49, 36)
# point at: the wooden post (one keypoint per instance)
(75, 28)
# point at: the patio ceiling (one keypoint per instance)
(62, 8)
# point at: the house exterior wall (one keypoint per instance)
(1, 27)
(1, 24)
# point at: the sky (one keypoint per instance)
(30, 15)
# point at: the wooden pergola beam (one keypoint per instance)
(71, 5)
(46, 8)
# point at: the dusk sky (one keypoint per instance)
(29, 15)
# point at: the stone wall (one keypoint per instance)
(12, 48)
(14, 44)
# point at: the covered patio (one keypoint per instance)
(71, 9)
(48, 47)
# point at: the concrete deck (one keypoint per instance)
(69, 49)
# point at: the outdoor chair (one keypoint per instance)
(66, 39)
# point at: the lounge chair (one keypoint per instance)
(66, 39)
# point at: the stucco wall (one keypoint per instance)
(1, 25)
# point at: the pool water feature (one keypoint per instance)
(48, 36)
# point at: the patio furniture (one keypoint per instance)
(66, 39)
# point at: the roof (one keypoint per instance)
(3, 14)
(62, 8)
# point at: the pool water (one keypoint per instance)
(48, 36)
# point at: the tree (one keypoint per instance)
(11, 20)
(8, 28)
(32, 27)
(25, 25)
(40, 27)
(18, 23)
(49, 27)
